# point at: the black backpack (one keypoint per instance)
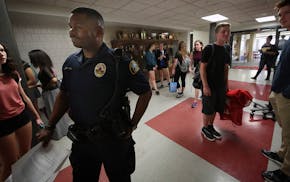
(197, 83)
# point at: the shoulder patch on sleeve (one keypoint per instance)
(133, 67)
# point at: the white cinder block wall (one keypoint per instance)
(50, 33)
(202, 36)
(43, 32)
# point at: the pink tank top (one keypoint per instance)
(11, 103)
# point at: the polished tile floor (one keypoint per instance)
(161, 159)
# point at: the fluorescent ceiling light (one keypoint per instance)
(265, 19)
(214, 18)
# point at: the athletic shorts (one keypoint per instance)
(214, 103)
(160, 67)
(10, 125)
(149, 67)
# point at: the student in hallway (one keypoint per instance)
(214, 75)
(151, 63)
(196, 58)
(162, 64)
(15, 124)
(34, 95)
(181, 67)
(268, 58)
(50, 87)
(280, 100)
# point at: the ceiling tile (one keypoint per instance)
(112, 3)
(84, 1)
(186, 9)
(37, 1)
(150, 2)
(184, 14)
(69, 4)
(134, 6)
(152, 10)
(170, 4)
(103, 9)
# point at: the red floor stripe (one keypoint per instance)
(258, 91)
(65, 175)
(180, 126)
(246, 67)
(238, 153)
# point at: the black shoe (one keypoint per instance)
(254, 78)
(157, 92)
(216, 134)
(275, 176)
(161, 86)
(267, 79)
(207, 134)
(180, 94)
(272, 156)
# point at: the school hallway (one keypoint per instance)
(170, 148)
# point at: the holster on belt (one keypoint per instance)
(109, 125)
(79, 134)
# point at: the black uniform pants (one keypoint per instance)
(118, 157)
(261, 67)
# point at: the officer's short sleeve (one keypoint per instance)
(64, 77)
(206, 53)
(137, 82)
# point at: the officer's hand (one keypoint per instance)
(44, 135)
(130, 131)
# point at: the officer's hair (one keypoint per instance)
(220, 25)
(91, 13)
(281, 4)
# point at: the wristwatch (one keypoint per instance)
(50, 127)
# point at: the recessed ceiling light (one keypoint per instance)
(215, 18)
(265, 19)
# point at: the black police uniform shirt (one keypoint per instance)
(216, 67)
(90, 83)
(268, 58)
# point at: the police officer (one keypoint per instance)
(88, 85)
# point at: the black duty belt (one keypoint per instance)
(83, 134)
